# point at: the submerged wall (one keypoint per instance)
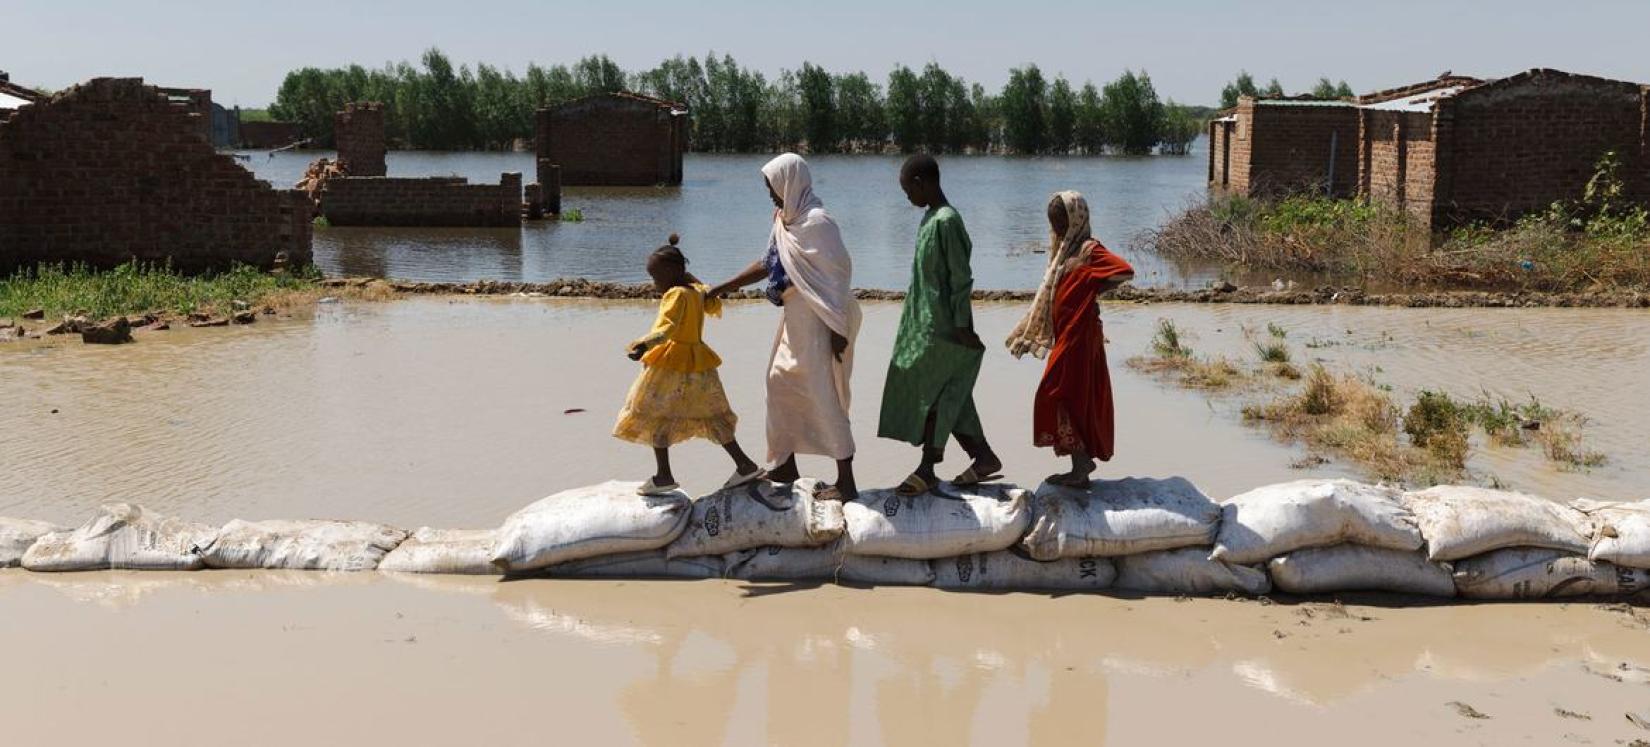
(422, 201)
(113, 170)
(614, 140)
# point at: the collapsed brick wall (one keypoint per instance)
(1397, 164)
(268, 134)
(358, 132)
(1521, 143)
(424, 201)
(613, 140)
(1290, 148)
(112, 170)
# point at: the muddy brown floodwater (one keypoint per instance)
(450, 412)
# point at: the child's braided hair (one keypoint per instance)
(670, 253)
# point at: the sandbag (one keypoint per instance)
(1007, 570)
(301, 545)
(1460, 522)
(16, 535)
(827, 563)
(963, 521)
(122, 535)
(759, 514)
(1622, 534)
(1120, 517)
(1187, 571)
(1537, 573)
(642, 564)
(605, 519)
(459, 551)
(1270, 521)
(1338, 568)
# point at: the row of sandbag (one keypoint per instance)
(1165, 536)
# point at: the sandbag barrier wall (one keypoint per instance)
(1135, 534)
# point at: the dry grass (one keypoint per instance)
(1561, 441)
(1173, 358)
(1347, 417)
(1359, 242)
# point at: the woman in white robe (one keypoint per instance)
(809, 276)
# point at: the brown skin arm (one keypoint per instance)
(756, 271)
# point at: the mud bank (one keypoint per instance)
(1227, 294)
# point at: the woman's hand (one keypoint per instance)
(839, 345)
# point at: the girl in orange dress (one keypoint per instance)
(678, 395)
(1072, 411)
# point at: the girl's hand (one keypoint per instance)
(636, 351)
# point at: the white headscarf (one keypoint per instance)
(1035, 333)
(810, 246)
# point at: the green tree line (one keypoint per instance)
(1244, 85)
(435, 105)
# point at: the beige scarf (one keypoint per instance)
(1035, 333)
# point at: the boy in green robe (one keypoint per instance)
(929, 396)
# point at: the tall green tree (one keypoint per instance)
(1024, 100)
(904, 106)
(817, 90)
(1089, 132)
(598, 74)
(1243, 85)
(1062, 116)
(1132, 113)
(860, 115)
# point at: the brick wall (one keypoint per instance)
(358, 131)
(613, 140)
(1289, 148)
(1397, 166)
(1520, 143)
(268, 134)
(112, 170)
(426, 201)
(1221, 135)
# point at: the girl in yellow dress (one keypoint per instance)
(678, 395)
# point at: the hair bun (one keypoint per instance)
(674, 239)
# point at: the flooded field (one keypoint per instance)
(456, 412)
(723, 214)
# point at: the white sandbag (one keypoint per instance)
(1622, 533)
(1008, 571)
(122, 535)
(1187, 571)
(1270, 521)
(605, 519)
(963, 521)
(643, 564)
(759, 514)
(1536, 573)
(15, 537)
(458, 551)
(302, 545)
(1460, 522)
(827, 563)
(1120, 517)
(1338, 568)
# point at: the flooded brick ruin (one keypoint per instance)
(114, 170)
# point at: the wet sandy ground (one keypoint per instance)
(286, 657)
(450, 413)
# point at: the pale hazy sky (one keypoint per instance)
(241, 49)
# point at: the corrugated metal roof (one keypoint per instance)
(1419, 102)
(1301, 102)
(8, 101)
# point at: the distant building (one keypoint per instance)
(614, 139)
(1449, 150)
